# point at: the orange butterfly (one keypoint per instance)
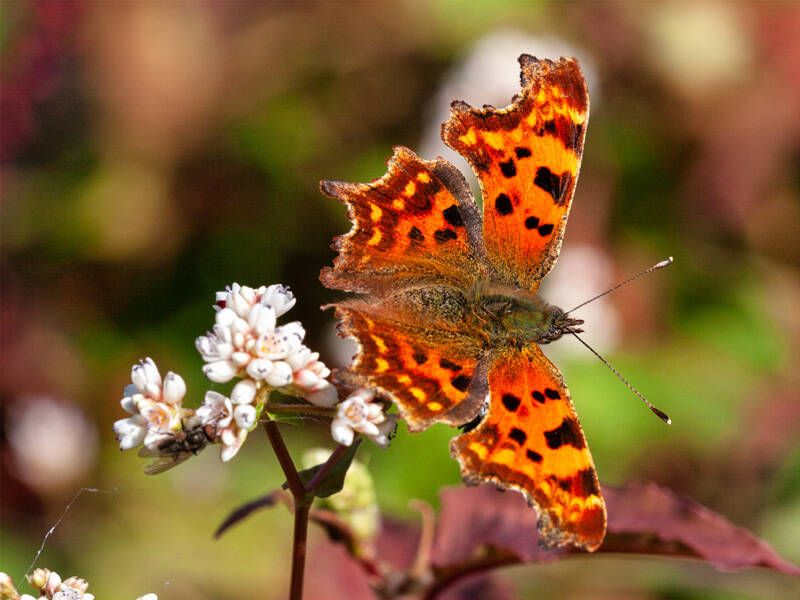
(450, 323)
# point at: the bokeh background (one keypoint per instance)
(154, 152)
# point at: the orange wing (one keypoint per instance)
(530, 440)
(430, 381)
(408, 226)
(527, 158)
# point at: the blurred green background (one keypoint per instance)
(154, 152)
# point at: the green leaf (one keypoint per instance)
(333, 482)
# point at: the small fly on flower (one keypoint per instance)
(177, 447)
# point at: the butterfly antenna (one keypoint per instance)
(659, 413)
(659, 265)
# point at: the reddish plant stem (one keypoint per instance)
(302, 505)
(301, 512)
(285, 460)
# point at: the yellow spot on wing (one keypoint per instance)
(403, 378)
(381, 365)
(469, 138)
(479, 449)
(495, 140)
(418, 393)
(398, 204)
(410, 189)
(435, 406)
(379, 343)
(375, 239)
(423, 177)
(375, 213)
(504, 457)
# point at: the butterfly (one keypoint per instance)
(448, 322)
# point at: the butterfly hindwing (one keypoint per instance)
(530, 440)
(526, 157)
(429, 381)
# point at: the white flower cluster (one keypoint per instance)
(245, 343)
(359, 414)
(49, 586)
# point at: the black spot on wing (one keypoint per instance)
(449, 365)
(453, 216)
(518, 436)
(538, 396)
(420, 358)
(460, 382)
(416, 235)
(508, 168)
(555, 185)
(545, 230)
(444, 235)
(532, 222)
(511, 402)
(566, 434)
(522, 152)
(552, 394)
(533, 456)
(502, 205)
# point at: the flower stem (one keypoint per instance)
(301, 511)
(285, 460)
(302, 505)
(295, 408)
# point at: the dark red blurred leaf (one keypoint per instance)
(643, 519)
(245, 510)
(660, 519)
(483, 516)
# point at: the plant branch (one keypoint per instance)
(295, 408)
(285, 460)
(301, 512)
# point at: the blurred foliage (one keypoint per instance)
(154, 152)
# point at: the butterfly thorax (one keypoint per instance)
(511, 317)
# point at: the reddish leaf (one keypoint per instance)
(666, 518)
(475, 517)
(643, 519)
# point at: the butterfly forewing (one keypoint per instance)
(526, 157)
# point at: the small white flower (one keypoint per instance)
(359, 414)
(245, 416)
(155, 406)
(150, 596)
(232, 422)
(310, 378)
(217, 410)
(279, 298)
(244, 392)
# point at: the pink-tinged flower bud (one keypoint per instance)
(262, 319)
(151, 371)
(8, 590)
(245, 416)
(174, 388)
(76, 583)
(325, 396)
(240, 359)
(306, 379)
(280, 375)
(226, 317)
(342, 433)
(232, 440)
(221, 371)
(244, 392)
(139, 377)
(279, 298)
(40, 577)
(259, 368)
(130, 432)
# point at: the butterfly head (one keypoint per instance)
(557, 324)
